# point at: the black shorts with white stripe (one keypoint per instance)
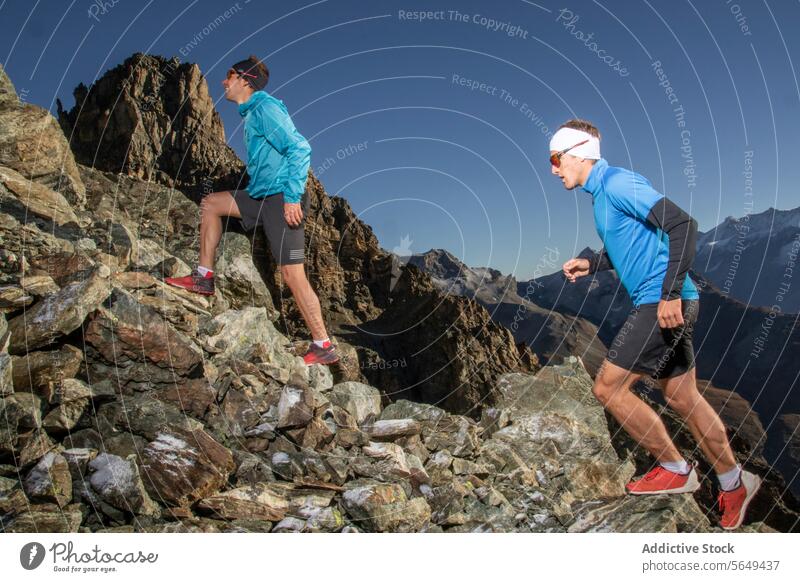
(287, 243)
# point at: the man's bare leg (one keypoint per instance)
(212, 208)
(705, 424)
(307, 301)
(612, 387)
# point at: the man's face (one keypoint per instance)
(569, 170)
(235, 86)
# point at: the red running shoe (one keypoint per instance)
(659, 480)
(320, 355)
(195, 283)
(733, 504)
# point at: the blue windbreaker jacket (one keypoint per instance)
(278, 157)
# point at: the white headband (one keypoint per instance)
(568, 137)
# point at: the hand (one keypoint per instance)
(575, 268)
(670, 313)
(293, 213)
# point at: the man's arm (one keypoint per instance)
(682, 232)
(599, 262)
(279, 130)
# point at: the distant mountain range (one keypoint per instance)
(755, 258)
(548, 332)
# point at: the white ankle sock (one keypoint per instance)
(730, 480)
(681, 467)
(203, 271)
(321, 342)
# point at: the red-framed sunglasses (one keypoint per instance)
(555, 159)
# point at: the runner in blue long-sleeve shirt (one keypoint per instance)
(650, 242)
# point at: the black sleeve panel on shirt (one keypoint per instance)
(599, 262)
(682, 231)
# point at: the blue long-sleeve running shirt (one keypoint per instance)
(648, 240)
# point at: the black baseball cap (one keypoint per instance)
(251, 72)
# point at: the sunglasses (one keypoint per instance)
(232, 72)
(555, 159)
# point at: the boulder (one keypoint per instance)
(36, 198)
(50, 480)
(641, 514)
(237, 331)
(47, 518)
(128, 328)
(392, 429)
(145, 415)
(30, 446)
(237, 279)
(21, 411)
(39, 285)
(64, 266)
(258, 501)
(392, 459)
(295, 407)
(117, 482)
(32, 143)
(360, 400)
(58, 314)
(418, 411)
(14, 298)
(385, 508)
(182, 467)
(65, 417)
(40, 371)
(194, 397)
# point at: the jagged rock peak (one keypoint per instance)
(152, 118)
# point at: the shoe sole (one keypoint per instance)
(188, 289)
(747, 500)
(324, 362)
(692, 485)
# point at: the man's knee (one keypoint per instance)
(608, 382)
(293, 274)
(603, 391)
(218, 204)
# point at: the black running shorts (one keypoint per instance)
(287, 243)
(643, 347)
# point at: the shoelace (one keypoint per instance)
(654, 473)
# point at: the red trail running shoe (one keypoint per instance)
(321, 355)
(195, 283)
(659, 480)
(733, 504)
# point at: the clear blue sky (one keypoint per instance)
(466, 169)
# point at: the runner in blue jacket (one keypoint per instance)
(650, 242)
(278, 158)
